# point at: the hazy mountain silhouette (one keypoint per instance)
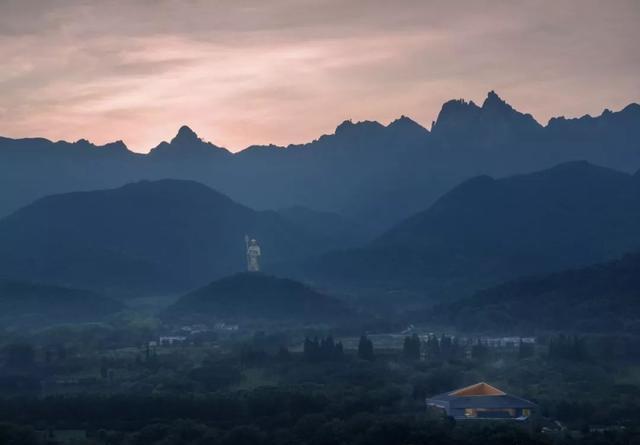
(369, 172)
(493, 123)
(147, 236)
(33, 168)
(255, 296)
(24, 304)
(333, 229)
(601, 298)
(186, 144)
(485, 231)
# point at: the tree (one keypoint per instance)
(446, 347)
(433, 348)
(19, 355)
(48, 356)
(411, 347)
(62, 352)
(327, 348)
(311, 348)
(283, 354)
(455, 348)
(525, 350)
(479, 351)
(339, 351)
(104, 368)
(365, 348)
(568, 348)
(14, 434)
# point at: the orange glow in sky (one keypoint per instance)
(255, 72)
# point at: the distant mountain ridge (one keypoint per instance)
(187, 144)
(458, 117)
(366, 171)
(490, 230)
(149, 237)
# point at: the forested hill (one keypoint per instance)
(150, 236)
(24, 304)
(487, 231)
(255, 296)
(601, 298)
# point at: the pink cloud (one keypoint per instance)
(286, 72)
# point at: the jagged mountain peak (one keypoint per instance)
(462, 116)
(493, 101)
(185, 134)
(186, 141)
(405, 122)
(118, 145)
(455, 105)
(628, 114)
(455, 113)
(496, 105)
(348, 126)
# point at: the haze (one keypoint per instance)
(285, 71)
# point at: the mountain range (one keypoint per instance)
(153, 237)
(170, 236)
(487, 230)
(365, 171)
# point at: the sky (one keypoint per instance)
(286, 71)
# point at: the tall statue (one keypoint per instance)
(253, 254)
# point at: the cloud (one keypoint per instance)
(285, 71)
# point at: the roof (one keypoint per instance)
(480, 395)
(479, 389)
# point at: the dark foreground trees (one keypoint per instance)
(365, 348)
(411, 347)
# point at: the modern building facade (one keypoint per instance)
(482, 401)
